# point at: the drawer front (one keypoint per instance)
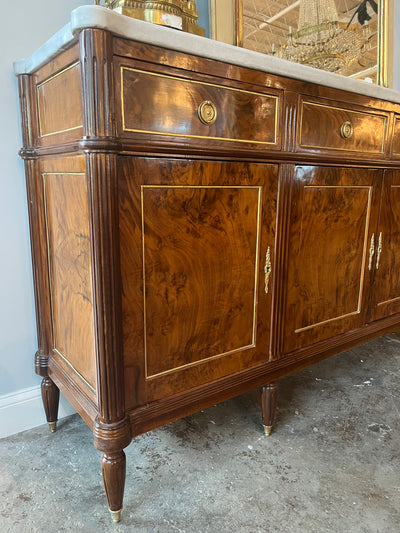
(160, 104)
(338, 128)
(396, 138)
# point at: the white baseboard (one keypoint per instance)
(23, 410)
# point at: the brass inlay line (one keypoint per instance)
(38, 86)
(396, 120)
(212, 357)
(60, 131)
(89, 386)
(361, 287)
(326, 321)
(389, 301)
(44, 176)
(384, 117)
(195, 82)
(236, 350)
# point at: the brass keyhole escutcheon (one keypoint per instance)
(207, 112)
(347, 130)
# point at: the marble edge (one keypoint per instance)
(57, 43)
(137, 30)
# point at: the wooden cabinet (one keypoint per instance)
(199, 228)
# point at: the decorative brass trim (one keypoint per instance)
(71, 366)
(38, 86)
(178, 14)
(367, 217)
(207, 112)
(389, 301)
(195, 82)
(346, 130)
(257, 259)
(383, 42)
(267, 268)
(396, 119)
(385, 123)
(371, 251)
(353, 313)
(115, 515)
(54, 349)
(60, 131)
(267, 431)
(379, 250)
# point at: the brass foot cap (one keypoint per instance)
(52, 426)
(267, 430)
(116, 515)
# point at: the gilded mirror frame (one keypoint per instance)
(229, 29)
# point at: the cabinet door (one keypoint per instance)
(386, 287)
(333, 216)
(194, 236)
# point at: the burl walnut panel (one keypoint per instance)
(333, 216)
(193, 237)
(386, 288)
(70, 267)
(396, 137)
(144, 94)
(59, 103)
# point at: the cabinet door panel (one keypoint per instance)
(386, 287)
(332, 219)
(194, 237)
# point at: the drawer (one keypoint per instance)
(396, 137)
(331, 127)
(161, 104)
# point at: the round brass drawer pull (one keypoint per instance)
(346, 130)
(207, 112)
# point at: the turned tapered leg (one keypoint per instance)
(268, 406)
(50, 398)
(113, 468)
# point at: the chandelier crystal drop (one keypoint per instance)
(321, 41)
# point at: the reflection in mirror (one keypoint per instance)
(341, 36)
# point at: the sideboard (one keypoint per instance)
(204, 220)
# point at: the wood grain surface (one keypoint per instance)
(386, 288)
(70, 265)
(59, 102)
(193, 241)
(144, 95)
(320, 127)
(334, 212)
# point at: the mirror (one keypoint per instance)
(349, 37)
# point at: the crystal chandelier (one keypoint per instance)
(321, 41)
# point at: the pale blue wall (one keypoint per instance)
(25, 25)
(202, 8)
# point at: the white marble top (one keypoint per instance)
(137, 30)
